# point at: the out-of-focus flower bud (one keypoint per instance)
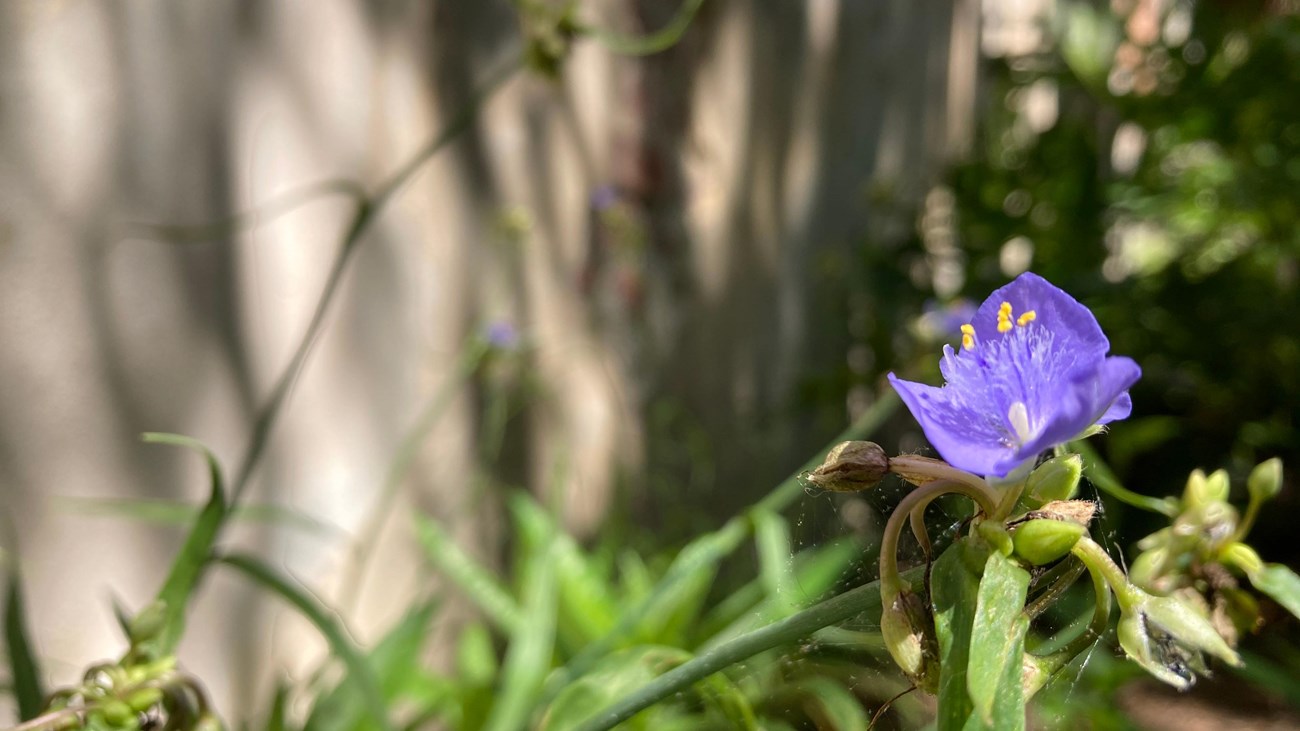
(1202, 490)
(142, 699)
(908, 631)
(209, 722)
(1045, 540)
(1056, 479)
(1243, 557)
(1265, 481)
(117, 713)
(851, 467)
(1149, 568)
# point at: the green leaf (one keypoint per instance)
(179, 512)
(528, 659)
(955, 592)
(24, 671)
(476, 659)
(997, 645)
(1281, 584)
(831, 705)
(275, 718)
(187, 569)
(796, 627)
(478, 583)
(772, 537)
(396, 656)
(613, 677)
(330, 626)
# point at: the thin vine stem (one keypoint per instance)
(1105, 480)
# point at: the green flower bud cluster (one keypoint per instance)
(1200, 557)
(130, 696)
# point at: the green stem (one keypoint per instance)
(864, 599)
(1106, 481)
(1101, 564)
(1069, 572)
(365, 542)
(661, 40)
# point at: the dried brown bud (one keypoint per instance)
(1073, 511)
(850, 467)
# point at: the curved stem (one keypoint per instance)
(890, 583)
(1101, 564)
(920, 470)
(1096, 627)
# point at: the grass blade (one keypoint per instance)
(187, 569)
(531, 644)
(479, 584)
(23, 668)
(328, 625)
(865, 598)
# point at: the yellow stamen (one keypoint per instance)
(968, 342)
(1004, 317)
(1027, 318)
(968, 329)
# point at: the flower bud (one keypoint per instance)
(1056, 479)
(1265, 481)
(1243, 557)
(1148, 569)
(209, 722)
(147, 625)
(997, 537)
(1045, 540)
(142, 699)
(117, 713)
(1201, 490)
(851, 466)
(908, 631)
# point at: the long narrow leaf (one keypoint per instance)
(187, 568)
(328, 625)
(395, 657)
(865, 598)
(23, 668)
(529, 658)
(479, 584)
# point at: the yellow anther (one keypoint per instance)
(1027, 318)
(968, 341)
(968, 329)
(1004, 317)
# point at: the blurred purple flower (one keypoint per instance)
(1032, 373)
(945, 321)
(603, 197)
(502, 335)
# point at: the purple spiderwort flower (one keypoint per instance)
(1032, 373)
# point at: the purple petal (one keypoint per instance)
(1109, 395)
(1074, 325)
(966, 438)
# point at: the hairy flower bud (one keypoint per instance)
(1056, 479)
(1045, 540)
(851, 467)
